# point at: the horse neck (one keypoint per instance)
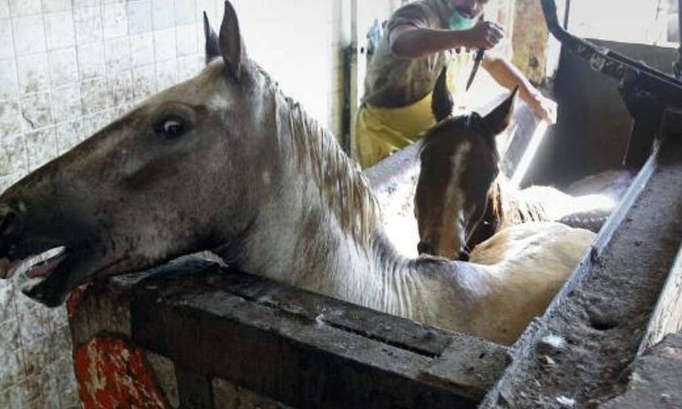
(320, 227)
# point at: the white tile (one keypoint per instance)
(185, 12)
(163, 15)
(115, 20)
(117, 54)
(50, 6)
(6, 44)
(212, 12)
(88, 22)
(186, 37)
(4, 9)
(91, 61)
(68, 135)
(21, 8)
(95, 96)
(123, 110)
(121, 88)
(166, 74)
(142, 49)
(77, 4)
(33, 73)
(35, 110)
(9, 110)
(164, 45)
(63, 66)
(29, 35)
(139, 16)
(10, 118)
(41, 147)
(144, 82)
(189, 67)
(66, 102)
(94, 123)
(59, 30)
(9, 82)
(12, 155)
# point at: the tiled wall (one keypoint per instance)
(68, 67)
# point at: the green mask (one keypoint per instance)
(458, 21)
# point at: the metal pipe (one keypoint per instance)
(567, 13)
(662, 86)
(677, 67)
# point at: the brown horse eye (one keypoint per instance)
(170, 128)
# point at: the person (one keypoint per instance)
(419, 40)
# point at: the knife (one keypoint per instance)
(477, 63)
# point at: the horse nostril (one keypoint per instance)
(424, 248)
(463, 255)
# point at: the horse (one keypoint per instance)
(462, 198)
(225, 162)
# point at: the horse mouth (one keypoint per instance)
(34, 268)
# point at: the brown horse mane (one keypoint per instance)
(511, 207)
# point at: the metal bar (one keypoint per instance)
(662, 86)
(678, 65)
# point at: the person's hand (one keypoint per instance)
(484, 35)
(543, 108)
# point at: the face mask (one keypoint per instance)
(458, 21)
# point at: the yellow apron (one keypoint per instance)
(379, 132)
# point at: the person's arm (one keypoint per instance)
(410, 41)
(507, 75)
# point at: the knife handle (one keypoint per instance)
(479, 55)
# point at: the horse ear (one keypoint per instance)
(499, 118)
(212, 47)
(230, 40)
(441, 100)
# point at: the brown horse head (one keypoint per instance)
(459, 163)
(111, 205)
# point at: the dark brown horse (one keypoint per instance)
(462, 199)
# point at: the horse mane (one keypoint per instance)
(511, 206)
(342, 186)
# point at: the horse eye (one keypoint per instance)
(170, 128)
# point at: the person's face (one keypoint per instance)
(470, 8)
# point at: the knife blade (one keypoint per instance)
(477, 63)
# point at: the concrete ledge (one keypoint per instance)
(303, 349)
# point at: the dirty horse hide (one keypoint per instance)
(225, 162)
(462, 198)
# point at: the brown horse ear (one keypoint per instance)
(230, 40)
(499, 118)
(212, 47)
(441, 100)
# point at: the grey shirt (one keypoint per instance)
(393, 81)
